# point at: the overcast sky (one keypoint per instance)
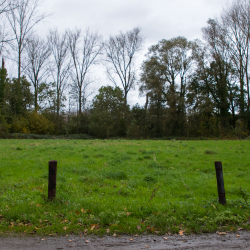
(158, 19)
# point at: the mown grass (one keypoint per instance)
(122, 186)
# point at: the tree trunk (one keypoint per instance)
(19, 62)
(36, 106)
(80, 101)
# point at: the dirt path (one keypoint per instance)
(204, 241)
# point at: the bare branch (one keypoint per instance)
(84, 50)
(60, 64)
(37, 54)
(22, 17)
(120, 54)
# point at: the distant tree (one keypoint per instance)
(107, 112)
(121, 53)
(138, 125)
(19, 96)
(22, 17)
(60, 64)
(163, 78)
(84, 52)
(36, 68)
(46, 97)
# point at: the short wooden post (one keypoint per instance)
(52, 180)
(220, 182)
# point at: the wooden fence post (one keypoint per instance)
(52, 180)
(220, 182)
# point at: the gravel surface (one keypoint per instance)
(238, 240)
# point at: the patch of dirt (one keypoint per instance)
(238, 240)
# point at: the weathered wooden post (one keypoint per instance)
(220, 182)
(52, 180)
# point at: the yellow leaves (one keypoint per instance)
(83, 210)
(238, 235)
(94, 226)
(221, 233)
(181, 232)
(38, 205)
(131, 239)
(147, 246)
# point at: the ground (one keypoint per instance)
(238, 240)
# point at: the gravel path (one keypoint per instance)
(204, 241)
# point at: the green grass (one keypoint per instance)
(123, 186)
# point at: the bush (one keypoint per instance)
(4, 127)
(32, 123)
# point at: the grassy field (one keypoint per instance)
(121, 186)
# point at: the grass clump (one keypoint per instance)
(150, 179)
(210, 152)
(120, 175)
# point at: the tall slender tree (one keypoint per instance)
(121, 53)
(84, 50)
(60, 64)
(36, 68)
(22, 17)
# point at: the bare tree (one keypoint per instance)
(5, 7)
(37, 54)
(22, 17)
(84, 51)
(60, 64)
(120, 52)
(236, 23)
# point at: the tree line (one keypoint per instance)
(192, 88)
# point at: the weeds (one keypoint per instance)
(244, 195)
(210, 152)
